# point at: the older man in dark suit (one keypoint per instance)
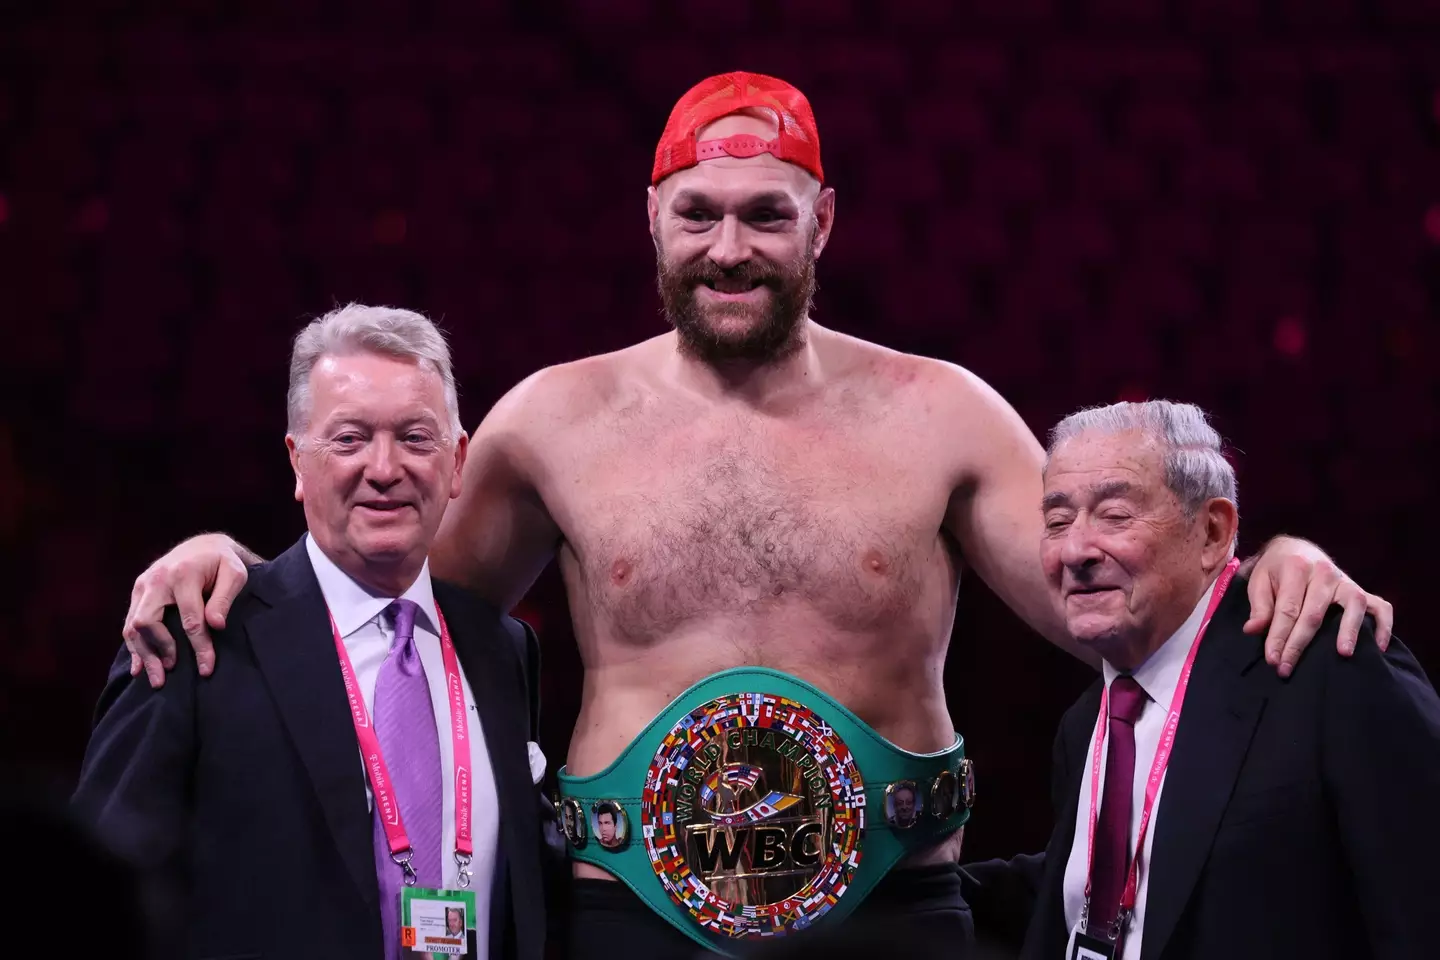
(1206, 807)
(367, 729)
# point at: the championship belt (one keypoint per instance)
(755, 804)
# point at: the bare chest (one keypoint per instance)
(694, 522)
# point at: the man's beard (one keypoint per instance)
(775, 330)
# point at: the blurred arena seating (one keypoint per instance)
(1233, 202)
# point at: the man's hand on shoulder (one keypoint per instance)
(210, 564)
(1292, 585)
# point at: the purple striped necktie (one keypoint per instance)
(409, 741)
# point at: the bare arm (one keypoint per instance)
(498, 536)
(994, 511)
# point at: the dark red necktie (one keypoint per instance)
(1112, 829)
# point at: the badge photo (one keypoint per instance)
(609, 824)
(437, 923)
(1091, 948)
(572, 821)
(903, 805)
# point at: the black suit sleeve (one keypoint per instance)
(1382, 770)
(1002, 894)
(527, 647)
(135, 782)
(1060, 777)
(554, 855)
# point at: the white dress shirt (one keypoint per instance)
(367, 635)
(1158, 676)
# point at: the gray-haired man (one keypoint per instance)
(248, 789)
(1271, 818)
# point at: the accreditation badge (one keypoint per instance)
(1092, 948)
(440, 923)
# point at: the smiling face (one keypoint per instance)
(1122, 559)
(736, 242)
(904, 799)
(375, 468)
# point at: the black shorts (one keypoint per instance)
(912, 909)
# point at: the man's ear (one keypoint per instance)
(652, 211)
(457, 479)
(293, 446)
(1222, 520)
(824, 220)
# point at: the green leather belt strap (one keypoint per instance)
(880, 766)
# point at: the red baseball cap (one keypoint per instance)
(798, 141)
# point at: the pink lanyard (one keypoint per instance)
(1157, 769)
(385, 801)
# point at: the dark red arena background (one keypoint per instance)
(1230, 202)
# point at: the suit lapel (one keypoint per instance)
(1216, 726)
(295, 651)
(1048, 928)
(493, 672)
(1048, 932)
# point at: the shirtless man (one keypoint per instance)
(752, 490)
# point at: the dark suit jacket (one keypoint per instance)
(1299, 818)
(245, 790)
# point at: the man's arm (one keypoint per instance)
(995, 514)
(1004, 894)
(498, 536)
(136, 778)
(1381, 765)
(994, 511)
(554, 855)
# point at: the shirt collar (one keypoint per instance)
(1159, 675)
(353, 606)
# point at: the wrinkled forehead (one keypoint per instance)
(1097, 462)
(377, 383)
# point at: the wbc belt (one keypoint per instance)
(754, 805)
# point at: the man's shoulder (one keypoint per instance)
(1367, 663)
(1322, 656)
(928, 393)
(566, 393)
(864, 359)
(268, 584)
(271, 582)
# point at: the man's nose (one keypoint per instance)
(730, 247)
(1080, 548)
(383, 469)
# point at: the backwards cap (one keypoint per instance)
(798, 141)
